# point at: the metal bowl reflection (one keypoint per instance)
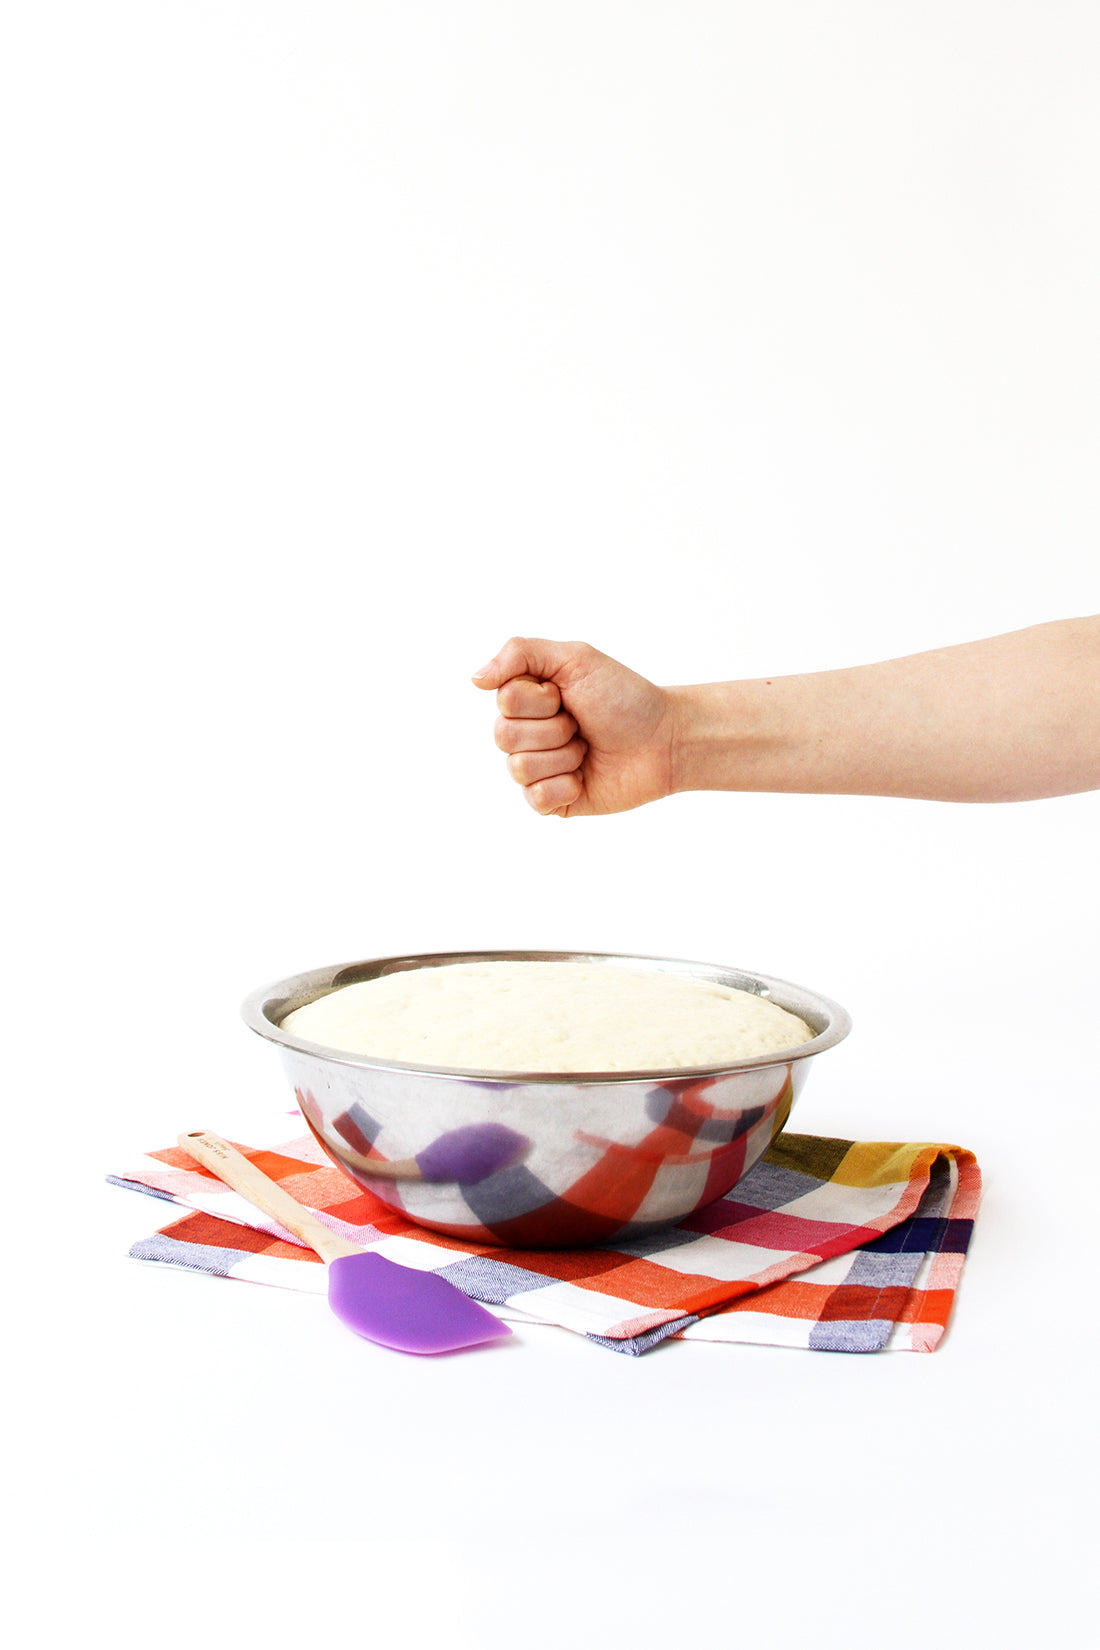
(537, 1159)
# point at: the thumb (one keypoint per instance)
(526, 656)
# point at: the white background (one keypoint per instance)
(343, 341)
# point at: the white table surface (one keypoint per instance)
(350, 339)
(864, 1496)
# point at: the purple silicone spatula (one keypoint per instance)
(394, 1305)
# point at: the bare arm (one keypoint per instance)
(1010, 718)
(1007, 719)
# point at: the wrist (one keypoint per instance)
(707, 731)
(734, 736)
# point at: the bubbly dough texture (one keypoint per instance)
(547, 1017)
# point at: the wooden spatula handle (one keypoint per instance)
(230, 1165)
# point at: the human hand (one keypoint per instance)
(583, 734)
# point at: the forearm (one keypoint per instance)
(1005, 719)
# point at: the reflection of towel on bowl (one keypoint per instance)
(835, 1245)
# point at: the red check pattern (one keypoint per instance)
(832, 1245)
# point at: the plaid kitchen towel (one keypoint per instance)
(834, 1245)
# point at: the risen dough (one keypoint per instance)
(547, 1017)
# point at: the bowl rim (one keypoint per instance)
(263, 1009)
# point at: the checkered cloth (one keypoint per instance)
(834, 1245)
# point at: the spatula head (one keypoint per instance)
(408, 1310)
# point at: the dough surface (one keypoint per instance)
(547, 1017)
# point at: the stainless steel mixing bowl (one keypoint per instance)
(538, 1159)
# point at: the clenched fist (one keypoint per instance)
(582, 733)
